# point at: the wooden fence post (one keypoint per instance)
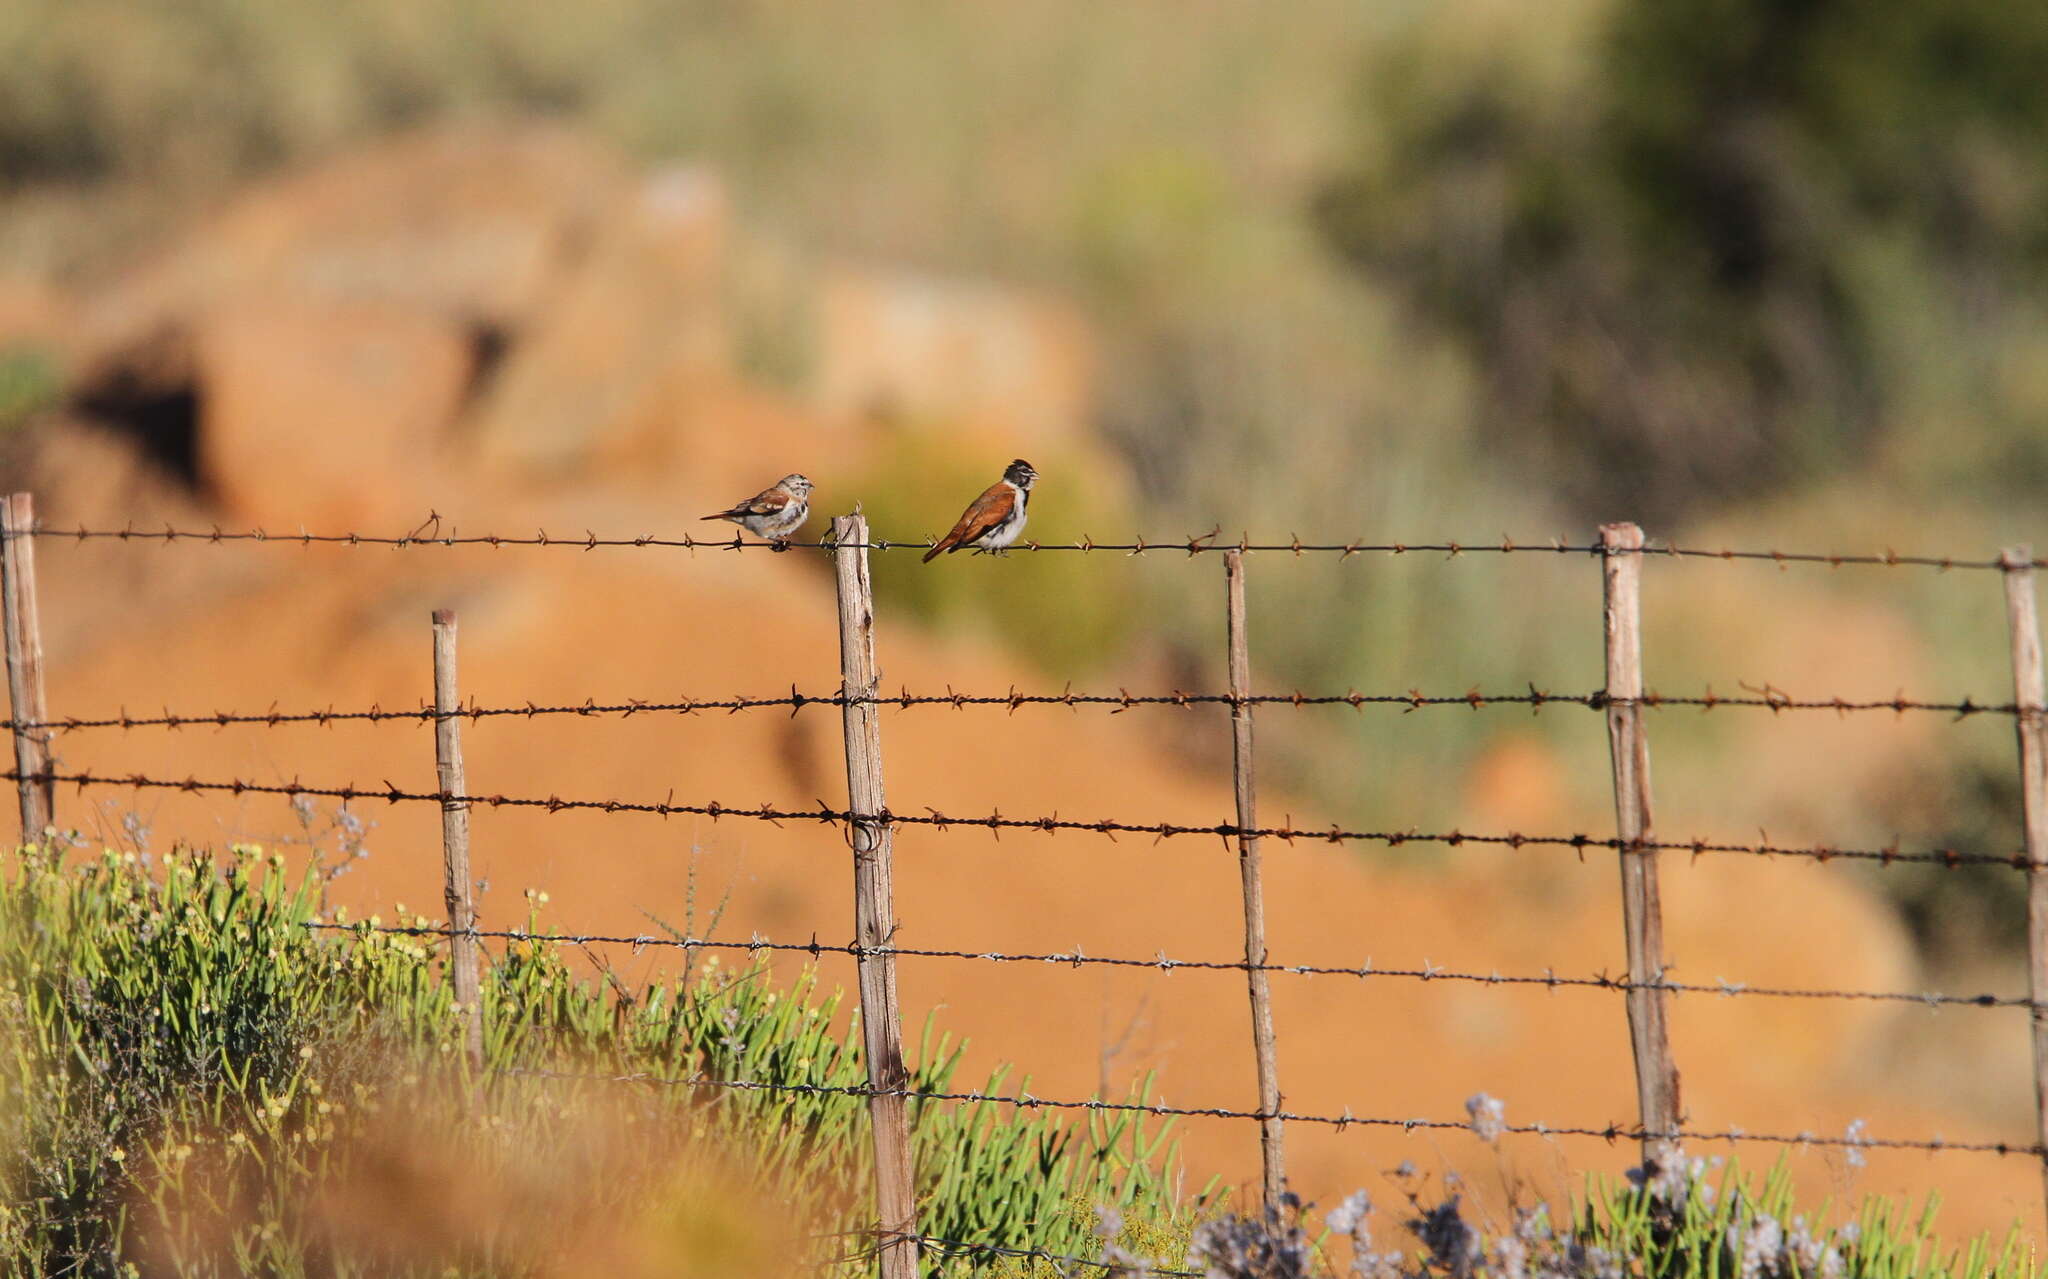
(873, 908)
(2030, 698)
(1270, 1149)
(24, 638)
(456, 879)
(1642, 913)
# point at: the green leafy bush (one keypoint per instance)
(193, 1078)
(1066, 615)
(1704, 250)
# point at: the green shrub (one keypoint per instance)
(192, 1076)
(1068, 616)
(1705, 250)
(29, 383)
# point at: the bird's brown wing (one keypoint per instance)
(989, 510)
(766, 502)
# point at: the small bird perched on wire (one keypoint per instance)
(996, 518)
(776, 512)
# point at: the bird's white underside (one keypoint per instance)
(1006, 533)
(777, 524)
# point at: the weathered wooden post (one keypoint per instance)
(2029, 701)
(1273, 1157)
(24, 640)
(873, 904)
(1642, 912)
(456, 880)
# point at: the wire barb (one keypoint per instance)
(995, 823)
(1165, 963)
(1768, 697)
(429, 534)
(1610, 1132)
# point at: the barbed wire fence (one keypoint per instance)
(894, 1242)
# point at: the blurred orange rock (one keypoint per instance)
(474, 222)
(298, 357)
(643, 305)
(322, 415)
(899, 344)
(33, 312)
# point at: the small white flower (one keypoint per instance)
(1489, 1116)
(1855, 1157)
(1109, 1223)
(1349, 1215)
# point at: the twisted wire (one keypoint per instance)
(1610, 1132)
(1766, 697)
(995, 823)
(1161, 962)
(428, 534)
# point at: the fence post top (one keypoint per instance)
(444, 617)
(2017, 558)
(1626, 535)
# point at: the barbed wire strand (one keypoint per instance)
(995, 823)
(1611, 1132)
(1549, 979)
(1765, 696)
(428, 534)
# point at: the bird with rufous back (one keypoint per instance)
(995, 520)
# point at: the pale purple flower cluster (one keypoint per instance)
(1532, 1250)
(1815, 1255)
(1349, 1216)
(1489, 1116)
(1768, 1249)
(1757, 1245)
(1452, 1242)
(1352, 1218)
(1271, 1245)
(1856, 1135)
(1672, 1179)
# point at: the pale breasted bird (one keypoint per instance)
(996, 518)
(776, 512)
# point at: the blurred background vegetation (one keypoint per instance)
(1745, 270)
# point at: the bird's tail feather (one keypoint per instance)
(928, 555)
